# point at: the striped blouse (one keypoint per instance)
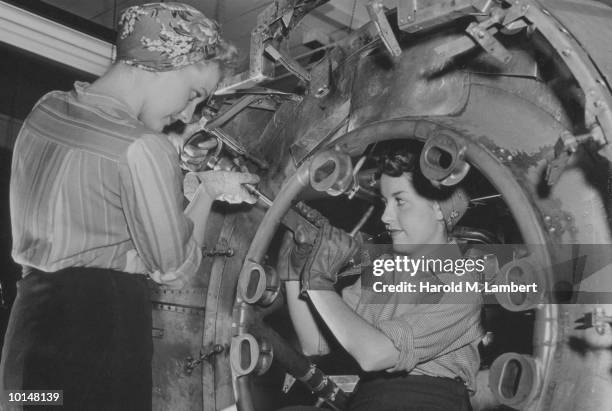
(91, 186)
(436, 334)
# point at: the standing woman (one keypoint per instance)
(418, 351)
(97, 209)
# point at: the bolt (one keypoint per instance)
(480, 34)
(547, 219)
(322, 91)
(509, 158)
(552, 230)
(598, 103)
(566, 52)
(402, 21)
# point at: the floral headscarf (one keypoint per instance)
(167, 36)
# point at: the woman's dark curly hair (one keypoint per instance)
(406, 160)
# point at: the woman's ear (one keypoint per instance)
(438, 211)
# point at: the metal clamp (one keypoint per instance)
(192, 363)
(258, 285)
(218, 252)
(248, 356)
(521, 271)
(514, 379)
(565, 147)
(598, 320)
(442, 160)
(331, 171)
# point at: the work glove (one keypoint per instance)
(331, 251)
(296, 246)
(292, 258)
(221, 185)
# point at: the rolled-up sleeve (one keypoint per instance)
(426, 331)
(152, 201)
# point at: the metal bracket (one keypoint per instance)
(288, 62)
(261, 68)
(377, 15)
(242, 103)
(483, 33)
(320, 78)
(273, 24)
(417, 15)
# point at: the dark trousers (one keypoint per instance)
(85, 331)
(406, 393)
(410, 393)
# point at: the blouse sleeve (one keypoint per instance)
(422, 332)
(153, 205)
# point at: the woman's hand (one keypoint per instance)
(228, 186)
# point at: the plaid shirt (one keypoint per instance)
(436, 334)
(91, 186)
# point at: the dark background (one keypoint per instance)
(24, 78)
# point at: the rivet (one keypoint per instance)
(509, 158)
(552, 230)
(547, 219)
(566, 52)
